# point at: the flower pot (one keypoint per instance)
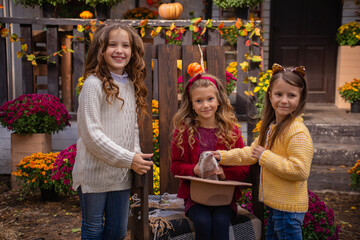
(347, 69)
(102, 12)
(49, 11)
(25, 145)
(48, 195)
(241, 12)
(355, 107)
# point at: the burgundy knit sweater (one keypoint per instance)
(183, 165)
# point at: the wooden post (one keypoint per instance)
(79, 63)
(168, 105)
(66, 71)
(53, 65)
(27, 68)
(215, 58)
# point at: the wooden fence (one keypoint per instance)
(161, 82)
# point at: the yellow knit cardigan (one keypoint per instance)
(285, 168)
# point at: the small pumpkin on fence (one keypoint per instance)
(86, 15)
(194, 68)
(170, 10)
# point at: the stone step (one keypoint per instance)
(329, 177)
(335, 139)
(333, 130)
(335, 133)
(336, 154)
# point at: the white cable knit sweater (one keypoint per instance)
(108, 138)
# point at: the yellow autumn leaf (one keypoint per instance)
(142, 32)
(353, 208)
(244, 66)
(252, 79)
(158, 29)
(179, 64)
(80, 28)
(4, 32)
(172, 26)
(332, 169)
(30, 57)
(168, 33)
(33, 62)
(24, 47)
(257, 31)
(153, 33)
(14, 38)
(20, 54)
(203, 32)
(143, 22)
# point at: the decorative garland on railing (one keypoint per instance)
(251, 29)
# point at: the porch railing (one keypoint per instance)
(161, 79)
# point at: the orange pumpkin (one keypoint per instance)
(194, 68)
(170, 10)
(86, 15)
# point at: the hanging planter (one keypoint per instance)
(49, 11)
(102, 7)
(102, 11)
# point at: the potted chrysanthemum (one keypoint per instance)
(34, 172)
(319, 222)
(61, 174)
(32, 118)
(350, 92)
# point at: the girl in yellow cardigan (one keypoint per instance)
(284, 151)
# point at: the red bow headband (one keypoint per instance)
(199, 76)
(276, 68)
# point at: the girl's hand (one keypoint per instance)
(139, 165)
(216, 155)
(220, 173)
(196, 170)
(257, 151)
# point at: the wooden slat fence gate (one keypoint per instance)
(162, 86)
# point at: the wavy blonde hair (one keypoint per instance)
(186, 118)
(95, 64)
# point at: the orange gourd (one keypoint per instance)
(170, 10)
(86, 15)
(194, 68)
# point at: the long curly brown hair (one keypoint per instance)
(95, 64)
(186, 118)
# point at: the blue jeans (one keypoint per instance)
(211, 222)
(284, 225)
(113, 207)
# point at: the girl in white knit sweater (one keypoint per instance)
(110, 103)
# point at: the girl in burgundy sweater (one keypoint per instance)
(205, 122)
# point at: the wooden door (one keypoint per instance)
(304, 33)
